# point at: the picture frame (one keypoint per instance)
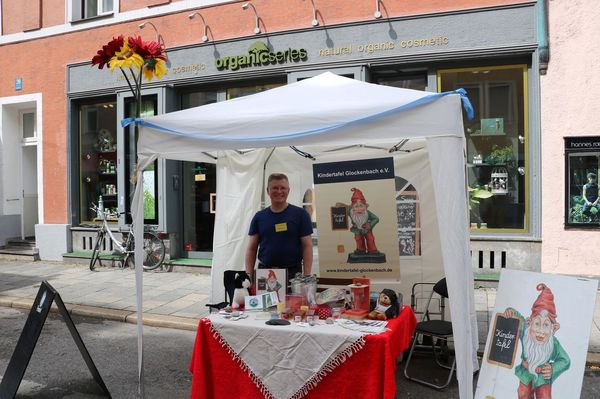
(271, 280)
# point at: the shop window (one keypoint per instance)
(196, 99)
(148, 108)
(409, 218)
(582, 206)
(98, 159)
(404, 81)
(86, 9)
(236, 92)
(496, 144)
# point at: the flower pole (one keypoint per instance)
(136, 59)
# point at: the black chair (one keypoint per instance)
(229, 284)
(437, 332)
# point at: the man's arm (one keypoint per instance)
(251, 251)
(307, 253)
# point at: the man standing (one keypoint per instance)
(280, 234)
(590, 196)
(543, 359)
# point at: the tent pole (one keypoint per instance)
(262, 192)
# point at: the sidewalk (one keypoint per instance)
(174, 300)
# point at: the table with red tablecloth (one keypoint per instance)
(368, 373)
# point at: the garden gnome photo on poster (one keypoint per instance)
(537, 344)
(356, 218)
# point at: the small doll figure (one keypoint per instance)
(387, 306)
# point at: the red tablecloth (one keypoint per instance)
(370, 373)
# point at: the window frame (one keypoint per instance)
(527, 159)
(578, 146)
(33, 139)
(76, 10)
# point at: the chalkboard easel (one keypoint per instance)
(29, 336)
(504, 341)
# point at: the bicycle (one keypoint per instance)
(154, 247)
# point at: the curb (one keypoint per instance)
(125, 316)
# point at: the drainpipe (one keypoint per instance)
(542, 30)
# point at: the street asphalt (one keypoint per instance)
(174, 299)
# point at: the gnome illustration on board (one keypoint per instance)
(543, 358)
(272, 285)
(363, 222)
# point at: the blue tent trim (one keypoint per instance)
(315, 132)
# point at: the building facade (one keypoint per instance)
(570, 144)
(63, 146)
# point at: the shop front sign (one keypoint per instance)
(260, 55)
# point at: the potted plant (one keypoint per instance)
(500, 155)
(476, 194)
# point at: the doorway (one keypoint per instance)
(29, 175)
(199, 208)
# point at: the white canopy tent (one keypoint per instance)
(327, 110)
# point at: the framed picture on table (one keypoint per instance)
(271, 280)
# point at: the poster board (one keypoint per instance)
(366, 242)
(505, 339)
(556, 315)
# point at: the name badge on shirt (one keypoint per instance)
(280, 227)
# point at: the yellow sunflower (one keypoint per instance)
(125, 58)
(154, 67)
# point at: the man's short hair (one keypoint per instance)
(277, 176)
(591, 175)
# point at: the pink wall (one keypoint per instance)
(569, 107)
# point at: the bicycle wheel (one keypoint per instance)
(154, 252)
(96, 250)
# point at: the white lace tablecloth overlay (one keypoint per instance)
(285, 362)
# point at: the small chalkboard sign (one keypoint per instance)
(339, 218)
(408, 242)
(407, 214)
(504, 341)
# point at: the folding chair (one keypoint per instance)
(229, 284)
(438, 329)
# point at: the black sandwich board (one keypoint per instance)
(504, 341)
(28, 339)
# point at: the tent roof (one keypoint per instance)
(325, 110)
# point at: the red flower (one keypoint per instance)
(107, 52)
(147, 50)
